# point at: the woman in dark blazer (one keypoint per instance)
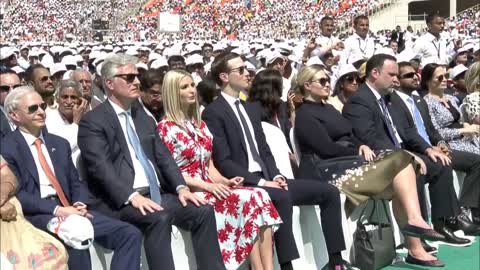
(330, 151)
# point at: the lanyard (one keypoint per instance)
(437, 48)
(360, 47)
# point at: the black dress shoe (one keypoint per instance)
(432, 263)
(450, 237)
(463, 222)
(426, 234)
(344, 266)
(428, 248)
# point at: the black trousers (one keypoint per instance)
(307, 192)
(157, 228)
(442, 194)
(468, 163)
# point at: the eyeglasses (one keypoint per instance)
(129, 78)
(441, 78)
(409, 75)
(154, 95)
(46, 78)
(7, 88)
(34, 108)
(323, 81)
(241, 70)
(351, 79)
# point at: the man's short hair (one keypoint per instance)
(220, 65)
(404, 64)
(31, 70)
(7, 71)
(112, 63)
(175, 58)
(432, 17)
(377, 61)
(326, 18)
(13, 98)
(358, 18)
(207, 45)
(64, 84)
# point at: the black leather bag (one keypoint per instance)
(375, 248)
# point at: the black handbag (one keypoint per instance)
(375, 248)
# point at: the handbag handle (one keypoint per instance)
(374, 208)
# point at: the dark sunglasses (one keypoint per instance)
(323, 81)
(441, 78)
(34, 108)
(46, 78)
(409, 75)
(351, 79)
(241, 70)
(7, 88)
(129, 78)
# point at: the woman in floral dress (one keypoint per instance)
(246, 217)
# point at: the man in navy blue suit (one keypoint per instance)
(49, 185)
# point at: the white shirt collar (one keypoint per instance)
(231, 100)
(356, 36)
(377, 95)
(403, 96)
(118, 110)
(30, 138)
(431, 37)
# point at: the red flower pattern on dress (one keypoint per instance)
(239, 216)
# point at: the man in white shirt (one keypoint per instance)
(8, 80)
(360, 44)
(64, 120)
(432, 47)
(325, 39)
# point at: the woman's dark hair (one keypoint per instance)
(267, 89)
(338, 90)
(427, 75)
(207, 91)
(149, 78)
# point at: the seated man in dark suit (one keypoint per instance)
(240, 149)
(134, 176)
(372, 123)
(410, 112)
(49, 185)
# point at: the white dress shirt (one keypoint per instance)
(386, 114)
(58, 125)
(46, 189)
(325, 41)
(357, 48)
(433, 50)
(140, 180)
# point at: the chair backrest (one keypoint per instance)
(279, 147)
(293, 142)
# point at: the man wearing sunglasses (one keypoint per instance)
(411, 114)
(50, 186)
(39, 77)
(9, 80)
(134, 176)
(240, 149)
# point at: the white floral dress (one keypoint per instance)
(240, 216)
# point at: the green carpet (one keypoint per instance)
(455, 258)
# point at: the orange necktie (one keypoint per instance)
(48, 171)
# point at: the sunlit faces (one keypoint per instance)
(439, 79)
(350, 83)
(125, 84)
(188, 91)
(318, 88)
(238, 74)
(437, 25)
(30, 112)
(362, 27)
(42, 81)
(67, 100)
(408, 78)
(386, 77)
(327, 27)
(8, 81)
(85, 79)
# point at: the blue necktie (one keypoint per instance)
(147, 167)
(419, 121)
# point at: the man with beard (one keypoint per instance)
(39, 77)
(71, 107)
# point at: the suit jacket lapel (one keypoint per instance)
(112, 118)
(27, 154)
(376, 105)
(233, 119)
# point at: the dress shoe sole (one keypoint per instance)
(450, 244)
(415, 261)
(425, 234)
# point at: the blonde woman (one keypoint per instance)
(246, 217)
(22, 245)
(353, 167)
(472, 101)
